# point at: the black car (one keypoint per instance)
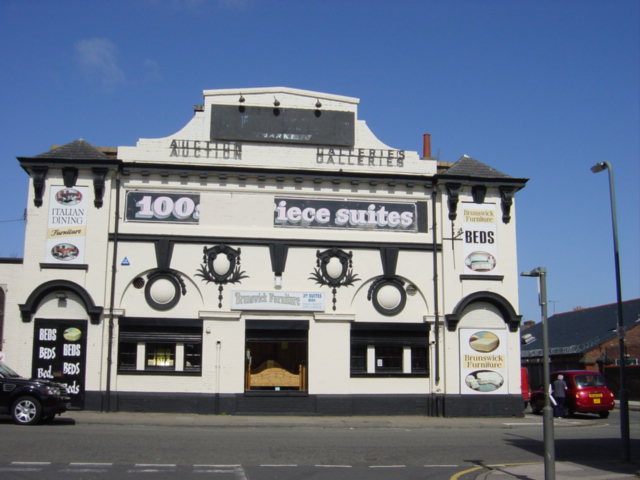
(30, 401)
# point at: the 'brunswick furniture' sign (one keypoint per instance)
(479, 223)
(345, 214)
(264, 300)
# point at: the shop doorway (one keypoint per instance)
(276, 355)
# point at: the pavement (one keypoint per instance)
(563, 471)
(597, 470)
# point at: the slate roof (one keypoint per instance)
(77, 150)
(580, 330)
(470, 167)
(467, 168)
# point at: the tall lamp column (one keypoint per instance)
(547, 411)
(624, 399)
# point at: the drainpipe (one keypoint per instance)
(436, 305)
(216, 408)
(113, 292)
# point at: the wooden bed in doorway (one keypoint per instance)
(271, 374)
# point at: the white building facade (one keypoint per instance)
(273, 256)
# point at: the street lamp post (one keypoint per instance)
(547, 411)
(624, 401)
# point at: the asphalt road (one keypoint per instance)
(82, 445)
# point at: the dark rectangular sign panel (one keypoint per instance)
(351, 215)
(162, 207)
(59, 354)
(282, 125)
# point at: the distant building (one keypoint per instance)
(587, 338)
(272, 256)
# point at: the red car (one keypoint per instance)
(524, 386)
(587, 392)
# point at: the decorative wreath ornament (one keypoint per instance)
(334, 268)
(221, 265)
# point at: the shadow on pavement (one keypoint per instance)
(598, 453)
(57, 421)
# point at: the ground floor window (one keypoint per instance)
(160, 346)
(276, 355)
(160, 355)
(388, 359)
(389, 349)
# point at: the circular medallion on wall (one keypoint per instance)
(162, 291)
(388, 296)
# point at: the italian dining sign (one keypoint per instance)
(67, 225)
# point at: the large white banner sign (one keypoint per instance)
(67, 224)
(483, 362)
(480, 242)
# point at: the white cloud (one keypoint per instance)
(98, 59)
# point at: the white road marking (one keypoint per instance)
(20, 469)
(522, 423)
(83, 470)
(213, 470)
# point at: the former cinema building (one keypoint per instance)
(272, 256)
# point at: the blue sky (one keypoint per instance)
(537, 89)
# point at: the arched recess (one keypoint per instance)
(502, 304)
(28, 308)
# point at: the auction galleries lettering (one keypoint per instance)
(347, 214)
(59, 353)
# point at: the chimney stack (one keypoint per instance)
(426, 145)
